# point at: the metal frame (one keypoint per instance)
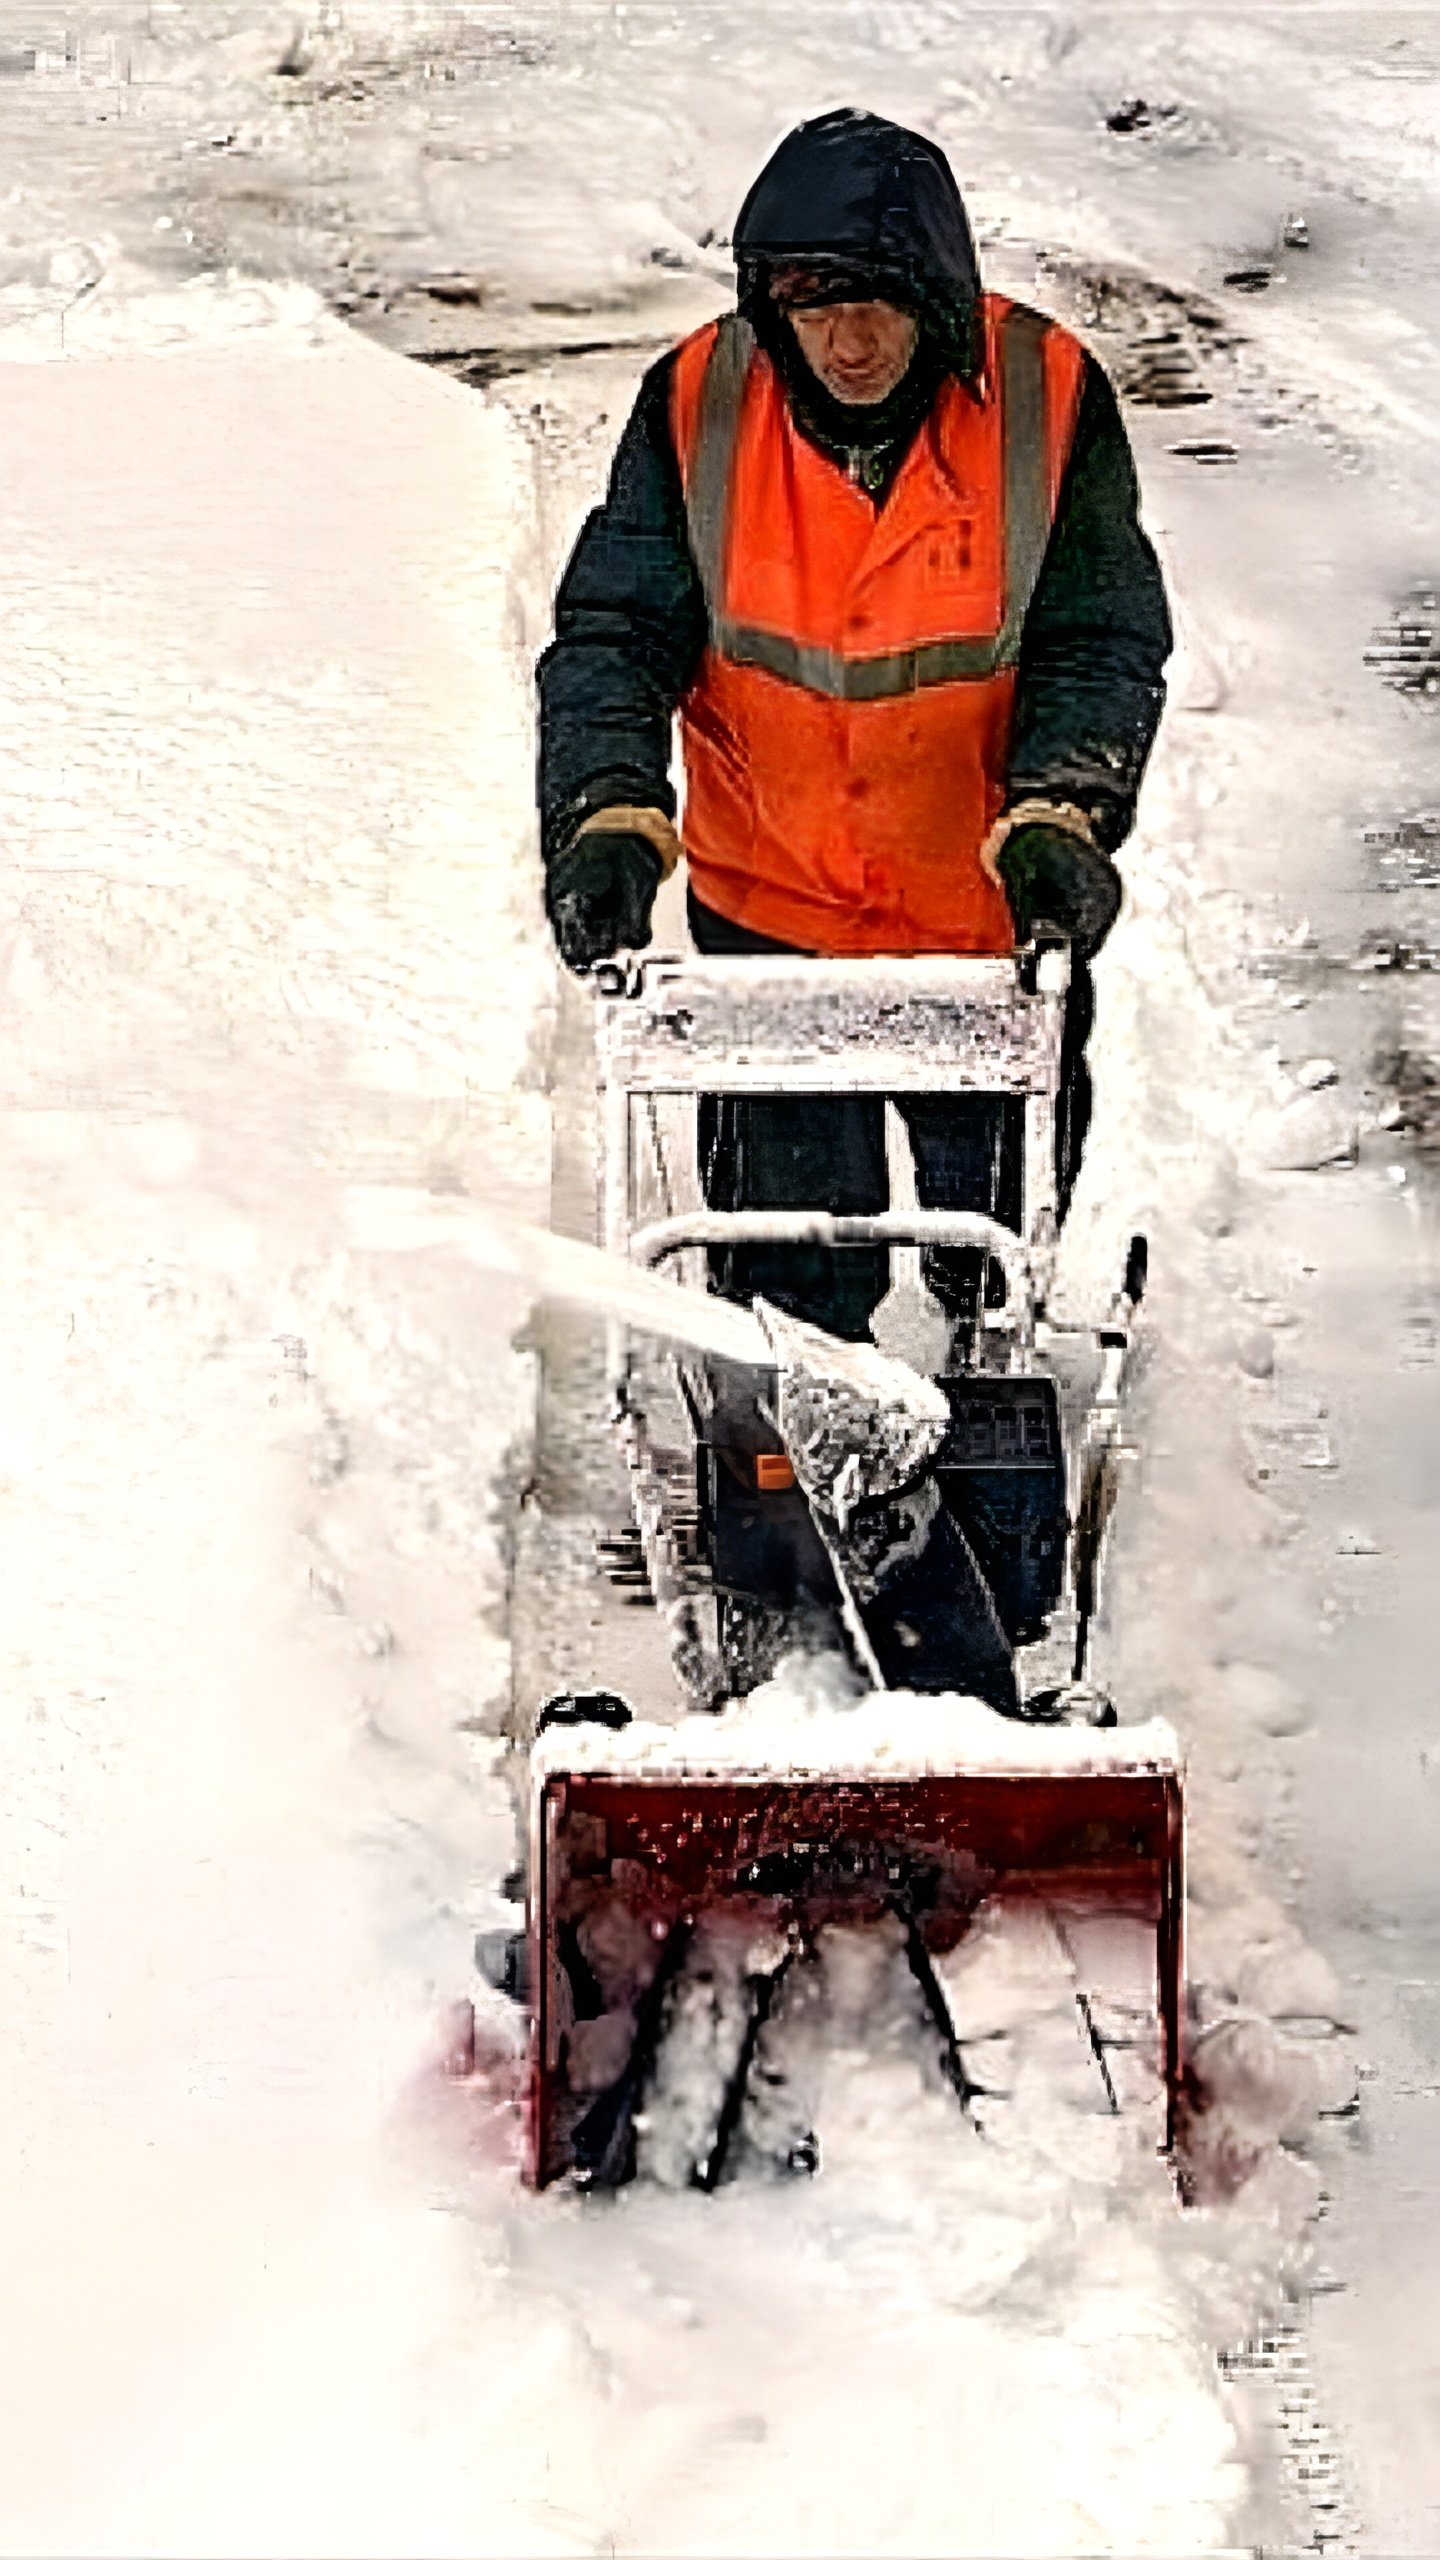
(671, 1027)
(675, 1027)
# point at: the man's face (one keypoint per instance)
(859, 350)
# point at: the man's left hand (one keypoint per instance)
(1059, 884)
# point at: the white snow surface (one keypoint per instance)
(270, 941)
(268, 922)
(804, 1720)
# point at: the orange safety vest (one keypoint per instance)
(847, 735)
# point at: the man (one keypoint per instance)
(875, 538)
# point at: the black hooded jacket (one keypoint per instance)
(856, 189)
(630, 623)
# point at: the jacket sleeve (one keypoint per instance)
(1097, 635)
(629, 630)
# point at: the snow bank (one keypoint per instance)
(94, 301)
(268, 922)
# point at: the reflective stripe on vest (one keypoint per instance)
(1027, 529)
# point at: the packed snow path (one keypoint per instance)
(271, 930)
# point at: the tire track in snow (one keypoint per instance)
(1311, 2463)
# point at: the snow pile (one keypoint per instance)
(268, 924)
(94, 301)
(807, 1720)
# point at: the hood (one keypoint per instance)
(854, 187)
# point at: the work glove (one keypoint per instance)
(598, 896)
(1060, 885)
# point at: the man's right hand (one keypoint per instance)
(599, 895)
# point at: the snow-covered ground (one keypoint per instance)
(271, 939)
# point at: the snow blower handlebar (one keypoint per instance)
(672, 1029)
(953, 1229)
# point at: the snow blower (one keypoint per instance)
(930, 1516)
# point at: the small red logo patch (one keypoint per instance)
(949, 554)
